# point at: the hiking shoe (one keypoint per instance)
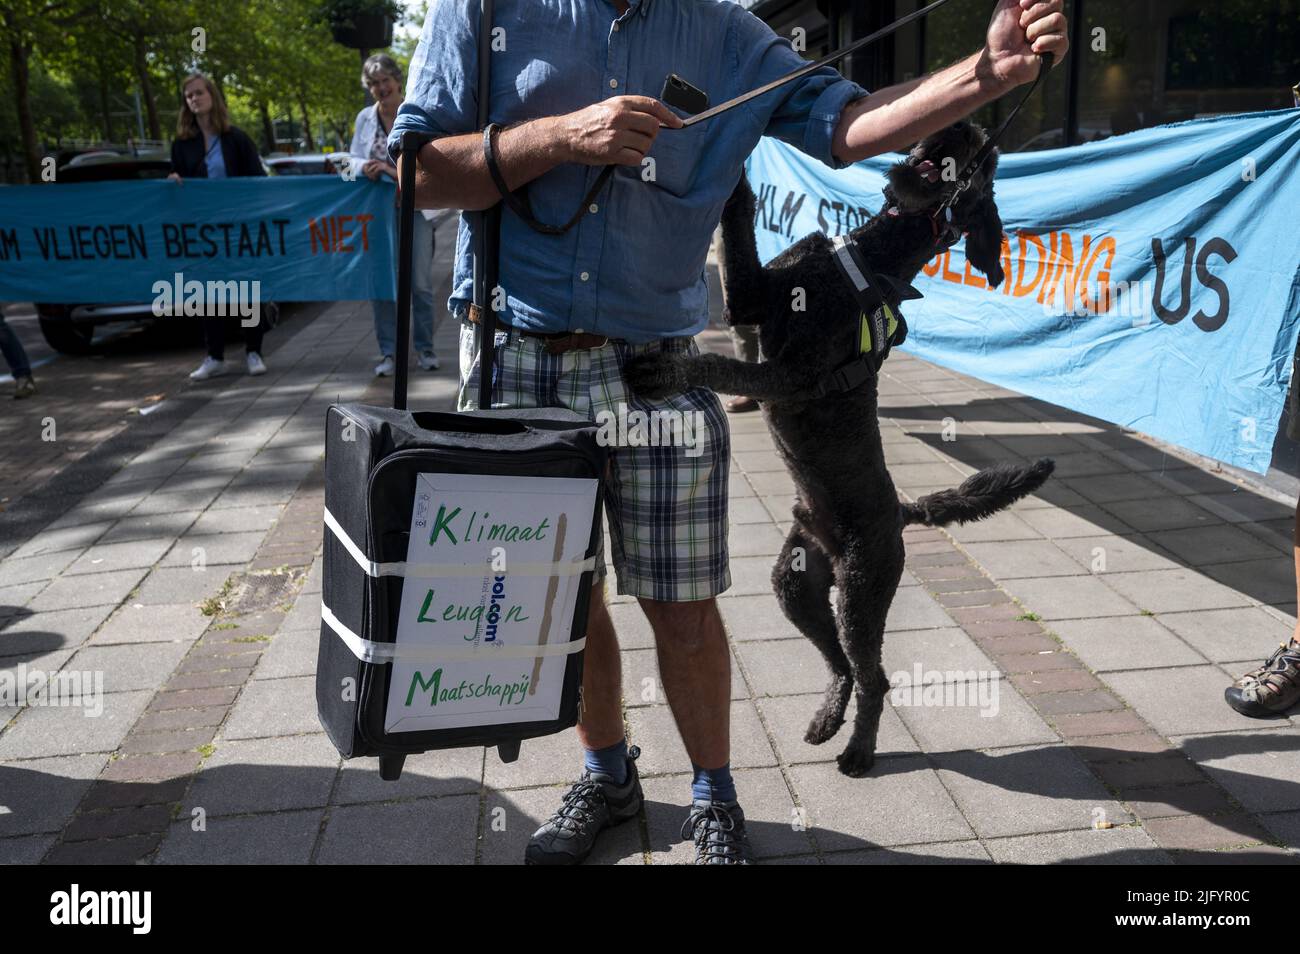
(210, 368)
(385, 367)
(718, 830)
(256, 365)
(593, 804)
(24, 387)
(429, 361)
(1272, 688)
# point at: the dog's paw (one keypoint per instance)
(822, 728)
(655, 375)
(856, 763)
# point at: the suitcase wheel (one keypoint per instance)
(509, 751)
(390, 766)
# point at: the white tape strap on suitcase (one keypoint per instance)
(437, 570)
(369, 651)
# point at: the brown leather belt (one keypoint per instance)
(557, 342)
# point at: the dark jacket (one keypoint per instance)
(236, 148)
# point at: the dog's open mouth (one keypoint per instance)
(927, 170)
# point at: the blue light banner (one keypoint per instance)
(1153, 279)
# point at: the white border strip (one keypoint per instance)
(848, 264)
(369, 651)
(441, 570)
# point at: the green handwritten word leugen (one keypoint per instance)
(506, 693)
(476, 528)
(463, 612)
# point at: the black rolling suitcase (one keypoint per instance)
(458, 560)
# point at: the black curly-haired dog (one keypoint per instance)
(848, 520)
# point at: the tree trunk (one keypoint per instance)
(146, 88)
(306, 123)
(268, 127)
(19, 69)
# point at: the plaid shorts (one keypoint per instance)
(666, 504)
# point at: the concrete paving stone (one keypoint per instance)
(662, 751)
(770, 817)
(1075, 702)
(1217, 543)
(749, 618)
(106, 557)
(631, 626)
(945, 655)
(43, 730)
(183, 584)
(964, 724)
(315, 576)
(245, 520)
(28, 850)
(1125, 642)
(428, 774)
(751, 575)
(274, 707)
(1228, 635)
(291, 653)
(902, 802)
(42, 794)
(1113, 846)
(184, 481)
(1070, 597)
(947, 853)
(92, 589)
(1162, 513)
(510, 818)
(1117, 554)
(748, 510)
(32, 634)
(643, 687)
(911, 452)
(759, 440)
(260, 474)
(1261, 770)
(1191, 832)
(1142, 774)
(185, 500)
(69, 538)
(1243, 506)
(1110, 488)
(1180, 701)
(131, 667)
(437, 831)
(15, 572)
(305, 613)
(13, 599)
(1188, 480)
(1120, 748)
(1270, 581)
(787, 719)
(754, 539)
(915, 609)
(1285, 826)
(1172, 591)
(924, 475)
(1041, 445)
(264, 775)
(282, 838)
(782, 667)
(217, 548)
(549, 760)
(1057, 522)
(1013, 559)
(778, 508)
(738, 485)
(162, 622)
(1168, 801)
(1007, 525)
(1085, 464)
(1026, 791)
(149, 527)
(254, 495)
(757, 461)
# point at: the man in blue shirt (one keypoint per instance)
(574, 86)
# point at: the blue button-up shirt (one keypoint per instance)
(633, 267)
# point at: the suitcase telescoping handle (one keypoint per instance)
(485, 252)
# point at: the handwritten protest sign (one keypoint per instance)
(479, 584)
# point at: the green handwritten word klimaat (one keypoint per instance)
(445, 524)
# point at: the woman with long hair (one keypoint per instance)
(207, 146)
(382, 78)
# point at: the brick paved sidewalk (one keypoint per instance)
(1114, 607)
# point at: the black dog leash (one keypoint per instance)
(518, 202)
